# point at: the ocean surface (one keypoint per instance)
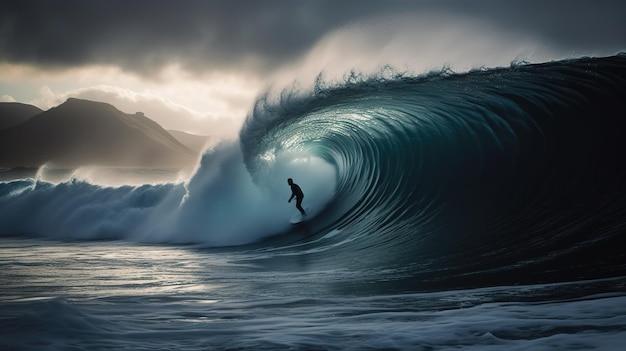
(483, 210)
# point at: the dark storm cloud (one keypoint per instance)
(255, 35)
(143, 34)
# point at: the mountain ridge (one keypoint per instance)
(195, 142)
(83, 132)
(14, 113)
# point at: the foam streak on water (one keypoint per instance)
(98, 296)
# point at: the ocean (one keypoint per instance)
(482, 210)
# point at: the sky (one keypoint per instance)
(198, 66)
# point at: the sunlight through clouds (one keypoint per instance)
(211, 105)
(198, 67)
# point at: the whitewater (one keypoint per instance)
(474, 210)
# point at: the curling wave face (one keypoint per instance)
(488, 172)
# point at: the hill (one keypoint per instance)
(81, 132)
(14, 113)
(194, 142)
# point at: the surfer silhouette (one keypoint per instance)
(297, 193)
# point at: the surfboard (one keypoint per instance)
(297, 218)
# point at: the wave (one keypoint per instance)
(485, 172)
(489, 171)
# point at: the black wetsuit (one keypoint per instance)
(297, 192)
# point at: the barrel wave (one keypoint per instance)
(443, 180)
(462, 179)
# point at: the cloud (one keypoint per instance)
(256, 37)
(144, 36)
(201, 105)
(197, 65)
(7, 98)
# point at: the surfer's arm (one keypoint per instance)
(291, 198)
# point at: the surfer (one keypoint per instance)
(297, 192)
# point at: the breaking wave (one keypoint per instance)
(441, 175)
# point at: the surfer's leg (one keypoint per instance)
(299, 206)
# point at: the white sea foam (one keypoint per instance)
(220, 204)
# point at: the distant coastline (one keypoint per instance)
(82, 133)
